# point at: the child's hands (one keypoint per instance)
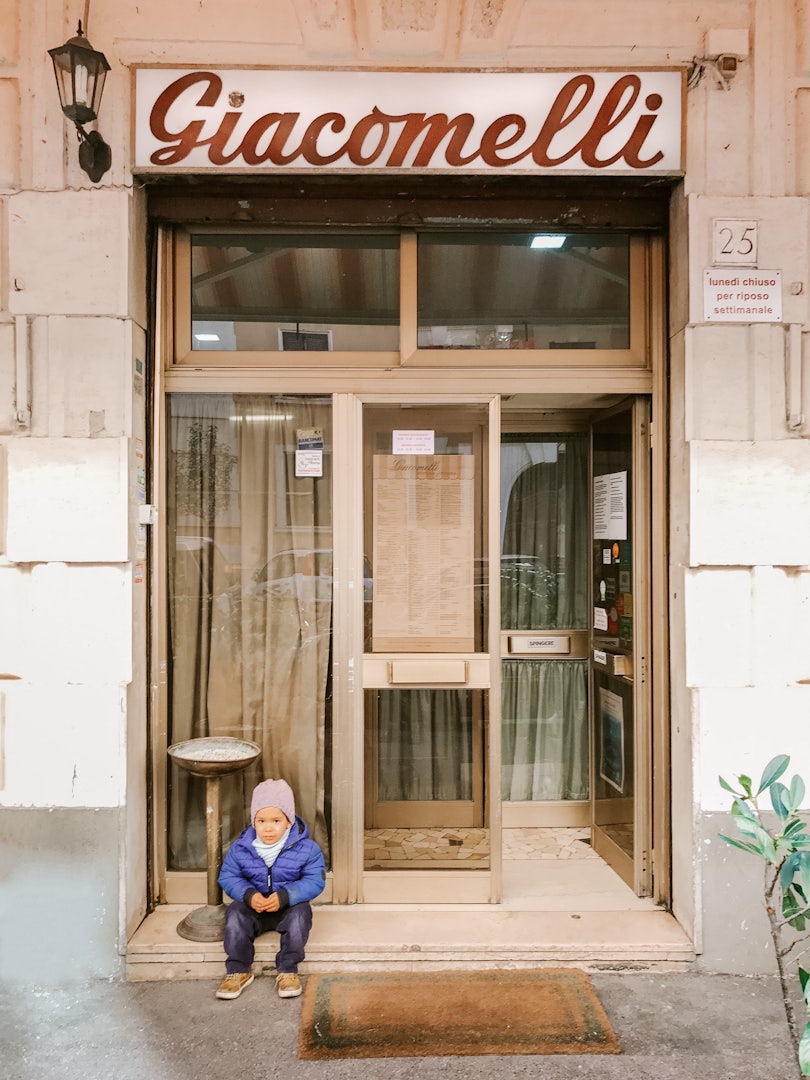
(264, 903)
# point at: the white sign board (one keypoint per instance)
(247, 120)
(742, 296)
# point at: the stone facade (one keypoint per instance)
(74, 298)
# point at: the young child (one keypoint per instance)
(271, 872)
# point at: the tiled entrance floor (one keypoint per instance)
(384, 847)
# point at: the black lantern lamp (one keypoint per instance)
(80, 73)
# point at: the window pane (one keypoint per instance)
(249, 604)
(515, 291)
(274, 293)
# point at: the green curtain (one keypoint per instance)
(544, 586)
(544, 749)
(424, 745)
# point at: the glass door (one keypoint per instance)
(620, 643)
(544, 618)
(426, 663)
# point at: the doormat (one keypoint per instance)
(442, 1013)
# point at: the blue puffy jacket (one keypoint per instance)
(298, 874)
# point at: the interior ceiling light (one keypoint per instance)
(549, 241)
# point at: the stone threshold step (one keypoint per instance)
(401, 938)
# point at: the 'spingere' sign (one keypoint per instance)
(304, 121)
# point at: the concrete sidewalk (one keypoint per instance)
(690, 1027)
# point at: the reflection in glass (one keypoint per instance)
(294, 293)
(249, 604)
(506, 291)
(544, 587)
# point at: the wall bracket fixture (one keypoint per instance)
(80, 73)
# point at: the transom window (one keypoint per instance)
(497, 298)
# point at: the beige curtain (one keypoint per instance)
(250, 609)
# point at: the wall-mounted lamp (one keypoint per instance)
(80, 73)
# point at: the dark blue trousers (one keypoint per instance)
(243, 925)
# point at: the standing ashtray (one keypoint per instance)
(212, 758)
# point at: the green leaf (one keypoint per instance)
(772, 771)
(725, 784)
(789, 868)
(796, 792)
(740, 808)
(743, 845)
(804, 1051)
(804, 979)
(745, 784)
(803, 870)
(790, 908)
(780, 800)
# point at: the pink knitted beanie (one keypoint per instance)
(273, 793)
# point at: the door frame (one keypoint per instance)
(636, 870)
(350, 387)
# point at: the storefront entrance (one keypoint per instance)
(430, 605)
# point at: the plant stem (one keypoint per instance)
(771, 876)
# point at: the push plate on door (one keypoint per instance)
(558, 644)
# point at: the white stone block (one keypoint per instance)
(14, 621)
(7, 378)
(68, 252)
(781, 626)
(782, 226)
(750, 503)
(81, 624)
(719, 617)
(63, 745)
(67, 500)
(720, 383)
(89, 375)
(742, 729)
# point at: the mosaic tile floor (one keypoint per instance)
(385, 847)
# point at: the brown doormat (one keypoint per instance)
(441, 1013)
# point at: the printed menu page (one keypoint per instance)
(423, 564)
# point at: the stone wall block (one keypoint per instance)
(14, 622)
(68, 252)
(80, 624)
(88, 362)
(719, 645)
(720, 400)
(62, 745)
(7, 378)
(782, 228)
(750, 503)
(9, 32)
(741, 729)
(67, 500)
(781, 626)
(10, 129)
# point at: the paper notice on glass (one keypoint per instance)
(611, 758)
(309, 462)
(610, 506)
(424, 553)
(413, 442)
(600, 619)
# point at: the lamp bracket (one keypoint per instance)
(95, 156)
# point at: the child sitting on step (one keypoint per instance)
(271, 872)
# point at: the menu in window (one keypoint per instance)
(423, 531)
